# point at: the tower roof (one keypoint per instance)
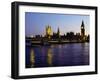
(58, 29)
(82, 25)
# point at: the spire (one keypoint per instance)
(58, 32)
(82, 25)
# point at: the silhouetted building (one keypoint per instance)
(82, 31)
(78, 37)
(70, 35)
(58, 33)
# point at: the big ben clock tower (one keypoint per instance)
(82, 30)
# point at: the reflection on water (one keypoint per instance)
(32, 58)
(57, 55)
(49, 57)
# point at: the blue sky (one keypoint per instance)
(35, 23)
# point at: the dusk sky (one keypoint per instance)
(35, 23)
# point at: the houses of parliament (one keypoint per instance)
(51, 37)
(69, 35)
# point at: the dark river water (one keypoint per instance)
(74, 54)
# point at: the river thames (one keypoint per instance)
(72, 54)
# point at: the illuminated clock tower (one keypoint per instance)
(82, 30)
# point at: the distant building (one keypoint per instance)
(82, 31)
(48, 31)
(78, 34)
(78, 37)
(70, 35)
(58, 32)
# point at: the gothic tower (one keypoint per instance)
(48, 31)
(58, 32)
(82, 29)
